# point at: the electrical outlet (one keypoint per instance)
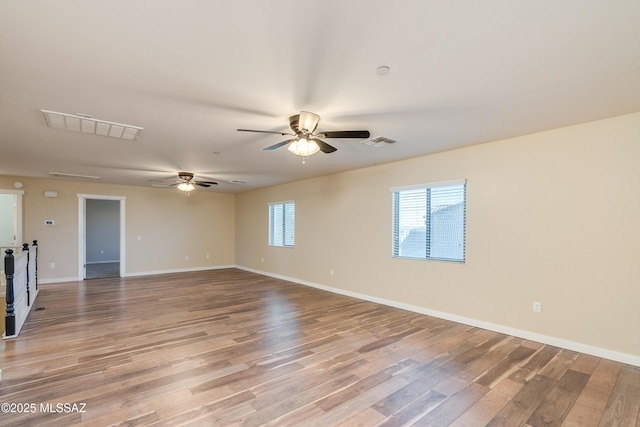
(53, 265)
(331, 272)
(186, 257)
(537, 306)
(207, 256)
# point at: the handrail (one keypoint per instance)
(21, 272)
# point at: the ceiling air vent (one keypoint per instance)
(72, 175)
(87, 124)
(378, 141)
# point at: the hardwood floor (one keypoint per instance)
(229, 347)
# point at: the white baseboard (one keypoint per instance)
(140, 273)
(57, 280)
(532, 336)
(178, 270)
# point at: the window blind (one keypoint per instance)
(282, 224)
(429, 221)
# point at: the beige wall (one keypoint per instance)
(171, 226)
(552, 217)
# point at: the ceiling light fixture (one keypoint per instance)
(308, 122)
(303, 147)
(186, 186)
(383, 70)
(87, 124)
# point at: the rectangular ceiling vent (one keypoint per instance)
(72, 175)
(378, 141)
(87, 124)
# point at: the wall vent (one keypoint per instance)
(72, 175)
(378, 141)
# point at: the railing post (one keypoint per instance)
(10, 318)
(35, 245)
(25, 248)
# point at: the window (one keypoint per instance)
(429, 221)
(282, 224)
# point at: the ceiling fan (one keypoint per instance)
(186, 182)
(305, 142)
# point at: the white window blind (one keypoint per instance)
(282, 224)
(429, 221)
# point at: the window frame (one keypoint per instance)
(287, 224)
(396, 234)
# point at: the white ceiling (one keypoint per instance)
(463, 72)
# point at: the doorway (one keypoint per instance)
(101, 236)
(11, 215)
(10, 228)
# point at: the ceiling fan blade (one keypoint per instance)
(324, 147)
(264, 131)
(345, 134)
(206, 183)
(278, 145)
(308, 121)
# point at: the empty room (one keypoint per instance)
(320, 213)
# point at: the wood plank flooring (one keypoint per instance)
(229, 347)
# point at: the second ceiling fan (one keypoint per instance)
(305, 141)
(185, 182)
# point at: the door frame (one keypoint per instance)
(17, 214)
(82, 231)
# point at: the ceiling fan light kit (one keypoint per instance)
(186, 186)
(303, 147)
